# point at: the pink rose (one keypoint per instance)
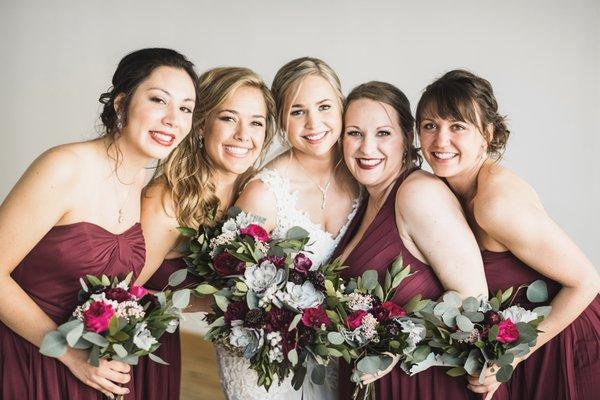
(256, 231)
(138, 291)
(388, 310)
(507, 332)
(315, 317)
(354, 320)
(97, 317)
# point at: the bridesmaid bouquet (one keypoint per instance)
(116, 321)
(474, 334)
(373, 328)
(270, 300)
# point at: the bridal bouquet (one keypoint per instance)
(474, 334)
(117, 321)
(373, 328)
(270, 300)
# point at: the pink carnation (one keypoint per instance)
(354, 320)
(256, 231)
(97, 317)
(138, 291)
(507, 332)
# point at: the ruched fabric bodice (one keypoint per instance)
(50, 274)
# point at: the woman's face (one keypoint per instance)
(235, 132)
(160, 112)
(451, 147)
(314, 120)
(373, 142)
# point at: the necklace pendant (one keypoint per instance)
(120, 219)
(324, 202)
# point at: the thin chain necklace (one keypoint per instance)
(117, 180)
(322, 189)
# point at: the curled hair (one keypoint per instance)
(188, 172)
(389, 94)
(287, 82)
(464, 96)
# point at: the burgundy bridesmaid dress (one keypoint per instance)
(50, 274)
(566, 367)
(155, 381)
(378, 248)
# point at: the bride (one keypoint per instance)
(307, 186)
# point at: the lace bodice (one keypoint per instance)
(238, 380)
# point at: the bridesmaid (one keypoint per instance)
(306, 186)
(411, 213)
(74, 212)
(463, 137)
(234, 122)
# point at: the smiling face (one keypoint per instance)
(159, 115)
(451, 147)
(234, 133)
(373, 142)
(314, 120)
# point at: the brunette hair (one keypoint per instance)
(188, 172)
(464, 96)
(389, 94)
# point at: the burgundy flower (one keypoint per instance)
(296, 277)
(306, 337)
(317, 279)
(138, 291)
(225, 264)
(151, 301)
(302, 263)
(388, 310)
(118, 294)
(279, 262)
(354, 320)
(256, 231)
(279, 319)
(236, 310)
(391, 328)
(288, 340)
(491, 318)
(507, 332)
(97, 317)
(315, 317)
(255, 318)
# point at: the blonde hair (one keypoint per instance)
(288, 80)
(188, 172)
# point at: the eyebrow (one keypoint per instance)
(318, 102)
(237, 113)
(169, 94)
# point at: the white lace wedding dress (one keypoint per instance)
(237, 379)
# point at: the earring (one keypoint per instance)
(200, 141)
(119, 121)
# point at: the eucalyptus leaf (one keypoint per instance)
(157, 359)
(464, 323)
(94, 358)
(251, 300)
(296, 233)
(421, 353)
(222, 302)
(318, 374)
(54, 344)
(96, 339)
(474, 316)
(177, 277)
(120, 350)
(369, 364)
(205, 288)
(293, 357)
(378, 292)
(449, 317)
(369, 279)
(68, 326)
(93, 280)
(162, 298)
(506, 294)
(537, 291)
(334, 352)
(456, 371)
(527, 333)
(75, 334)
(294, 322)
(105, 280)
(493, 333)
(471, 304)
(181, 298)
(84, 285)
(472, 364)
(506, 358)
(543, 310)
(504, 373)
(452, 299)
(298, 378)
(441, 308)
(335, 338)
(187, 232)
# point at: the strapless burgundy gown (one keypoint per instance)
(155, 381)
(379, 247)
(568, 366)
(50, 274)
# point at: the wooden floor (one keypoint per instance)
(199, 377)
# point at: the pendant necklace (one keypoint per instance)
(322, 189)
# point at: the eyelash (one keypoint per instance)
(384, 133)
(158, 100)
(353, 133)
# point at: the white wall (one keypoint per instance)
(543, 58)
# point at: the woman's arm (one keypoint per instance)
(43, 195)
(430, 214)
(258, 200)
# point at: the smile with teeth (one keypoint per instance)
(316, 136)
(369, 162)
(444, 155)
(237, 151)
(162, 138)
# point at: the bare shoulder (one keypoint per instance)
(501, 195)
(421, 189)
(280, 162)
(257, 195)
(157, 198)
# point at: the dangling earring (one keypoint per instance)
(200, 141)
(119, 121)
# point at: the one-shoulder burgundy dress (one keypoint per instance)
(379, 247)
(568, 366)
(50, 274)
